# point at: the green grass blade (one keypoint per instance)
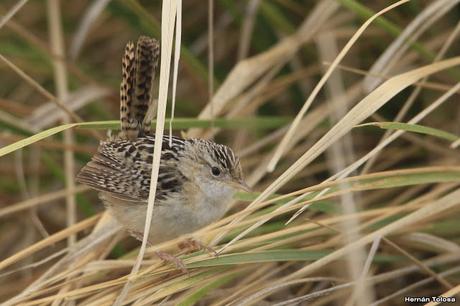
(415, 128)
(271, 256)
(178, 123)
(34, 138)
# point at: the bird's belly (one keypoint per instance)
(169, 220)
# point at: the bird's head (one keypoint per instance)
(217, 169)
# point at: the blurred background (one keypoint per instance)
(267, 56)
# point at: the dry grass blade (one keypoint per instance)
(48, 241)
(312, 231)
(248, 70)
(48, 114)
(357, 114)
(169, 15)
(449, 201)
(394, 52)
(12, 12)
(61, 81)
(86, 22)
(292, 129)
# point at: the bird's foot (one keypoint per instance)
(193, 245)
(177, 262)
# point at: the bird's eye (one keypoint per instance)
(215, 171)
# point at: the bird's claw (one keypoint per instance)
(196, 245)
(178, 263)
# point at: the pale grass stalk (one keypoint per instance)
(250, 241)
(427, 85)
(29, 232)
(247, 28)
(227, 223)
(345, 172)
(250, 69)
(431, 242)
(177, 45)
(85, 290)
(12, 12)
(28, 192)
(410, 101)
(211, 55)
(169, 13)
(357, 296)
(412, 31)
(34, 186)
(357, 114)
(86, 22)
(48, 114)
(293, 128)
(302, 227)
(342, 153)
(60, 80)
(310, 225)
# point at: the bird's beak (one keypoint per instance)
(242, 186)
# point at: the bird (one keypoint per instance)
(197, 177)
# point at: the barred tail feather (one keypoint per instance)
(147, 56)
(137, 105)
(127, 88)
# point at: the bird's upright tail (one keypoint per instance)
(137, 106)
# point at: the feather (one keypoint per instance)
(123, 168)
(138, 73)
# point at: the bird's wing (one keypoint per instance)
(123, 168)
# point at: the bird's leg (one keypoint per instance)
(177, 262)
(195, 245)
(172, 259)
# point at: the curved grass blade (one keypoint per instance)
(415, 128)
(178, 123)
(273, 256)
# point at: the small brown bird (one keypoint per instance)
(197, 178)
